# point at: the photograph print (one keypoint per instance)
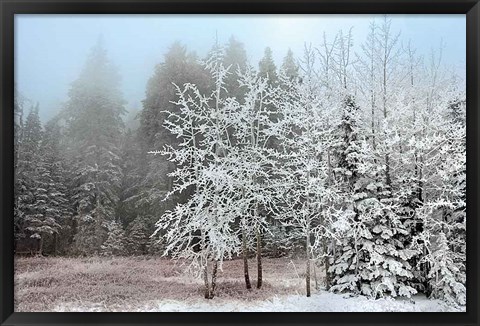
(212, 163)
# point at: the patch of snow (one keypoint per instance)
(318, 302)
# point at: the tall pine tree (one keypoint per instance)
(54, 179)
(94, 126)
(267, 68)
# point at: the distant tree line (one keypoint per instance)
(354, 161)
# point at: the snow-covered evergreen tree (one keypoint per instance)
(289, 67)
(138, 236)
(52, 175)
(94, 126)
(19, 178)
(354, 180)
(267, 68)
(443, 238)
(115, 243)
(41, 203)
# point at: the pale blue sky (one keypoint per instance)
(50, 50)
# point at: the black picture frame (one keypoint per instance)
(8, 8)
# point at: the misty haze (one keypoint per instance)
(240, 163)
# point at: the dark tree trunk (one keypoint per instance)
(259, 260)
(245, 259)
(307, 251)
(327, 273)
(388, 179)
(214, 279)
(307, 277)
(205, 280)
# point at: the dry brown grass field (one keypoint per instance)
(117, 283)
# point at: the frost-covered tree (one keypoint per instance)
(354, 182)
(200, 229)
(442, 239)
(446, 277)
(374, 257)
(254, 161)
(367, 70)
(386, 268)
(378, 259)
(388, 54)
(458, 171)
(303, 168)
(179, 66)
(341, 57)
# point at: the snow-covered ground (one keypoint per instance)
(149, 284)
(318, 302)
